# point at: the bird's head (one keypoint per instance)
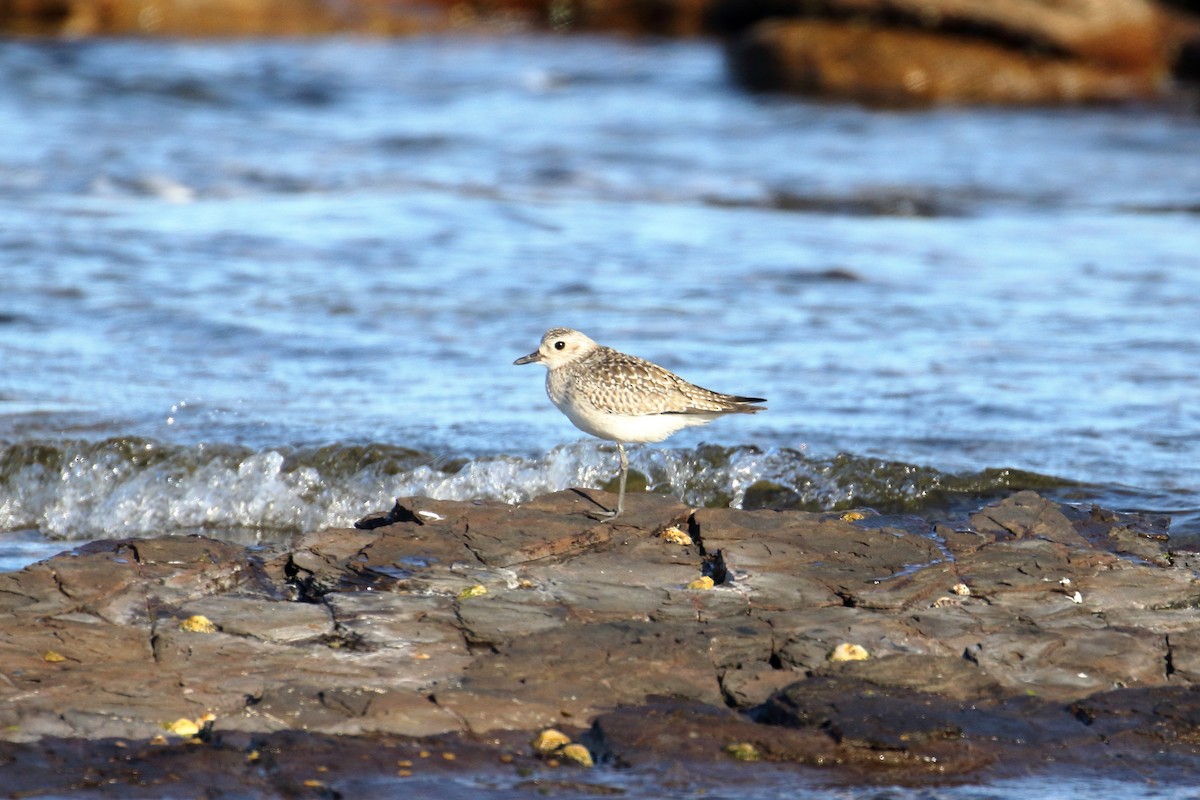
(560, 346)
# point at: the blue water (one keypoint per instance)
(259, 287)
(769, 782)
(764, 782)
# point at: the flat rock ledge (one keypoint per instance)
(854, 646)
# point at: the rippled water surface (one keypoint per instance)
(769, 784)
(268, 286)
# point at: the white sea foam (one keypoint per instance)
(131, 487)
(101, 491)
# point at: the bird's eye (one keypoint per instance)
(559, 345)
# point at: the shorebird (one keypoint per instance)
(623, 398)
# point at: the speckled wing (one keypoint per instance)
(617, 383)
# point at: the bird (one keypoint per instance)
(622, 398)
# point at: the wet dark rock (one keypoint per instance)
(1041, 627)
(1187, 64)
(1023, 515)
(878, 203)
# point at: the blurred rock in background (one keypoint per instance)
(219, 17)
(883, 52)
(902, 52)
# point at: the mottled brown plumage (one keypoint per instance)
(618, 383)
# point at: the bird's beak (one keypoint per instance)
(529, 359)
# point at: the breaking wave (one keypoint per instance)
(129, 486)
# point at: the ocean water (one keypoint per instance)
(763, 782)
(258, 287)
(766, 782)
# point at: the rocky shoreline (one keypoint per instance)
(878, 52)
(854, 647)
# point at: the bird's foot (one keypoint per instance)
(604, 515)
(599, 512)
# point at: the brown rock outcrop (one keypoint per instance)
(889, 67)
(1120, 33)
(906, 52)
(1028, 632)
(220, 17)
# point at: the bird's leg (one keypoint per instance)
(624, 476)
(609, 516)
